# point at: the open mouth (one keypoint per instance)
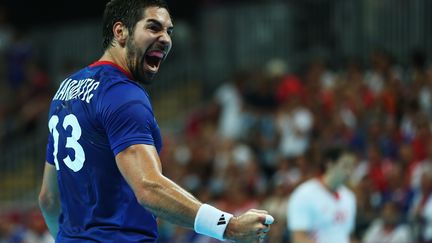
(153, 60)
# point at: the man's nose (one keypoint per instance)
(165, 39)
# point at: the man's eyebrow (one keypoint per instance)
(154, 21)
(159, 24)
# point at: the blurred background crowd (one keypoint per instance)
(251, 95)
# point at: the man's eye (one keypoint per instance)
(154, 28)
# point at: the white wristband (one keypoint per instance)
(211, 221)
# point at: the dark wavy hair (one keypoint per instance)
(129, 12)
(331, 155)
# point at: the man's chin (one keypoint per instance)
(147, 77)
(150, 76)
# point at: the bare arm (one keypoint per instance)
(301, 237)
(49, 198)
(141, 167)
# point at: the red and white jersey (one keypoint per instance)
(327, 216)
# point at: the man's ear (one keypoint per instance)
(121, 33)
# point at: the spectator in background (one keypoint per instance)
(30, 106)
(36, 97)
(389, 138)
(241, 168)
(36, 230)
(294, 120)
(18, 56)
(28, 89)
(260, 97)
(389, 227)
(67, 67)
(421, 210)
(12, 229)
(381, 71)
(425, 94)
(417, 79)
(319, 83)
(407, 125)
(397, 190)
(292, 172)
(229, 98)
(276, 203)
(418, 167)
(375, 167)
(323, 209)
(367, 205)
(422, 137)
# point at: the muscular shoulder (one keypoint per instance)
(124, 89)
(119, 92)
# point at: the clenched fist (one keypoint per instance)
(251, 226)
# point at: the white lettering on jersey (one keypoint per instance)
(76, 89)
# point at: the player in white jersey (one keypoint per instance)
(322, 209)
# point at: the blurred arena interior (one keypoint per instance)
(252, 93)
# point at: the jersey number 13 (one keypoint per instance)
(71, 142)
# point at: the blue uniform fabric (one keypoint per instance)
(95, 114)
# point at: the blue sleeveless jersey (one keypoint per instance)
(95, 114)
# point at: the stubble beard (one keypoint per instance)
(135, 61)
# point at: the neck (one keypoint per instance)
(112, 55)
(328, 183)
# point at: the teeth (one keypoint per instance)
(151, 67)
